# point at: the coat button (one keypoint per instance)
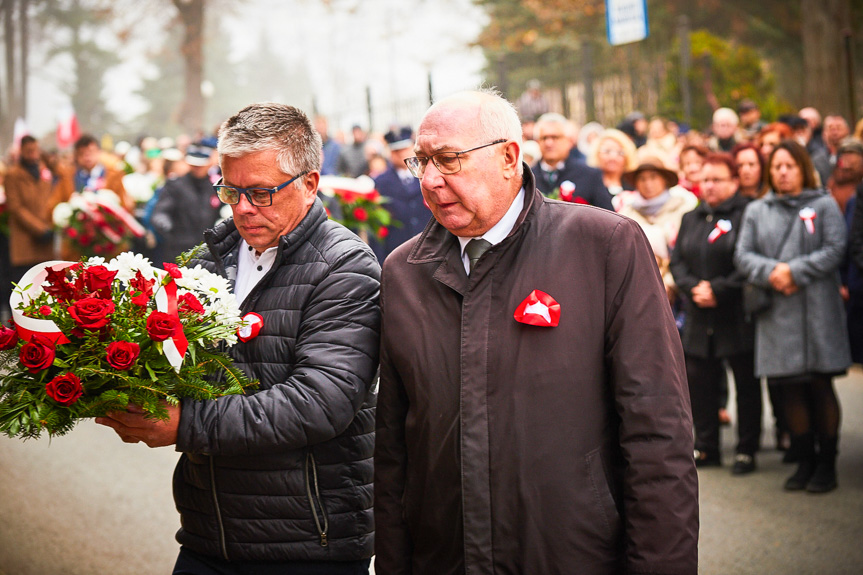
(709, 217)
(260, 268)
(709, 331)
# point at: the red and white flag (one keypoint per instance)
(67, 129)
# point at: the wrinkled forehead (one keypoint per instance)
(448, 126)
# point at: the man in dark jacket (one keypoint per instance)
(280, 480)
(402, 191)
(533, 413)
(558, 173)
(187, 205)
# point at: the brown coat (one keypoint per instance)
(508, 448)
(63, 191)
(29, 204)
(113, 181)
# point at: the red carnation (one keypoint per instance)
(161, 326)
(360, 214)
(65, 389)
(58, 286)
(91, 312)
(122, 354)
(173, 270)
(383, 232)
(142, 289)
(45, 310)
(72, 233)
(37, 354)
(8, 338)
(188, 303)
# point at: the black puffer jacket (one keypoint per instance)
(286, 472)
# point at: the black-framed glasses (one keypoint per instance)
(258, 197)
(446, 162)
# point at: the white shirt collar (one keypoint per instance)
(251, 268)
(500, 230)
(549, 168)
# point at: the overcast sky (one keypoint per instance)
(390, 45)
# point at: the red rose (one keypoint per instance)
(72, 233)
(173, 270)
(190, 304)
(65, 389)
(8, 338)
(98, 279)
(45, 310)
(161, 326)
(37, 354)
(122, 354)
(383, 232)
(91, 312)
(361, 214)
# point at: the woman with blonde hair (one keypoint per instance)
(613, 153)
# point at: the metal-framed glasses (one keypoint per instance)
(258, 197)
(446, 162)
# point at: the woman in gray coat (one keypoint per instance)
(792, 242)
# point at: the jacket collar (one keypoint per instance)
(224, 238)
(437, 244)
(797, 201)
(735, 202)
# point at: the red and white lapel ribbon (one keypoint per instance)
(808, 215)
(721, 228)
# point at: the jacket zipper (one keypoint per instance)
(315, 499)
(218, 511)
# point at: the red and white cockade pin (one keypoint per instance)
(807, 214)
(538, 309)
(721, 228)
(252, 324)
(567, 188)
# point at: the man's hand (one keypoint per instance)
(132, 427)
(702, 294)
(781, 279)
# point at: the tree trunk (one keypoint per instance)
(23, 68)
(10, 48)
(192, 108)
(824, 78)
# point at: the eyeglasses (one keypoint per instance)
(446, 162)
(258, 197)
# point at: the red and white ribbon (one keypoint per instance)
(808, 215)
(721, 228)
(166, 302)
(27, 326)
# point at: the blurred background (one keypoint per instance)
(127, 68)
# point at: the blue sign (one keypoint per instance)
(626, 21)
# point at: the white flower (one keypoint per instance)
(62, 214)
(127, 263)
(139, 186)
(96, 261)
(106, 196)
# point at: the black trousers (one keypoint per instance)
(705, 377)
(191, 563)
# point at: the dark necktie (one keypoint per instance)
(474, 249)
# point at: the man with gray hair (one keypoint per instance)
(533, 413)
(279, 480)
(561, 175)
(724, 128)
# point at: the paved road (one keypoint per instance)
(88, 504)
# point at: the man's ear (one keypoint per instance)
(510, 159)
(310, 185)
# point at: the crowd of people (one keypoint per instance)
(694, 258)
(744, 211)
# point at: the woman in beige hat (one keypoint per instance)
(658, 205)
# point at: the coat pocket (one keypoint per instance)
(603, 497)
